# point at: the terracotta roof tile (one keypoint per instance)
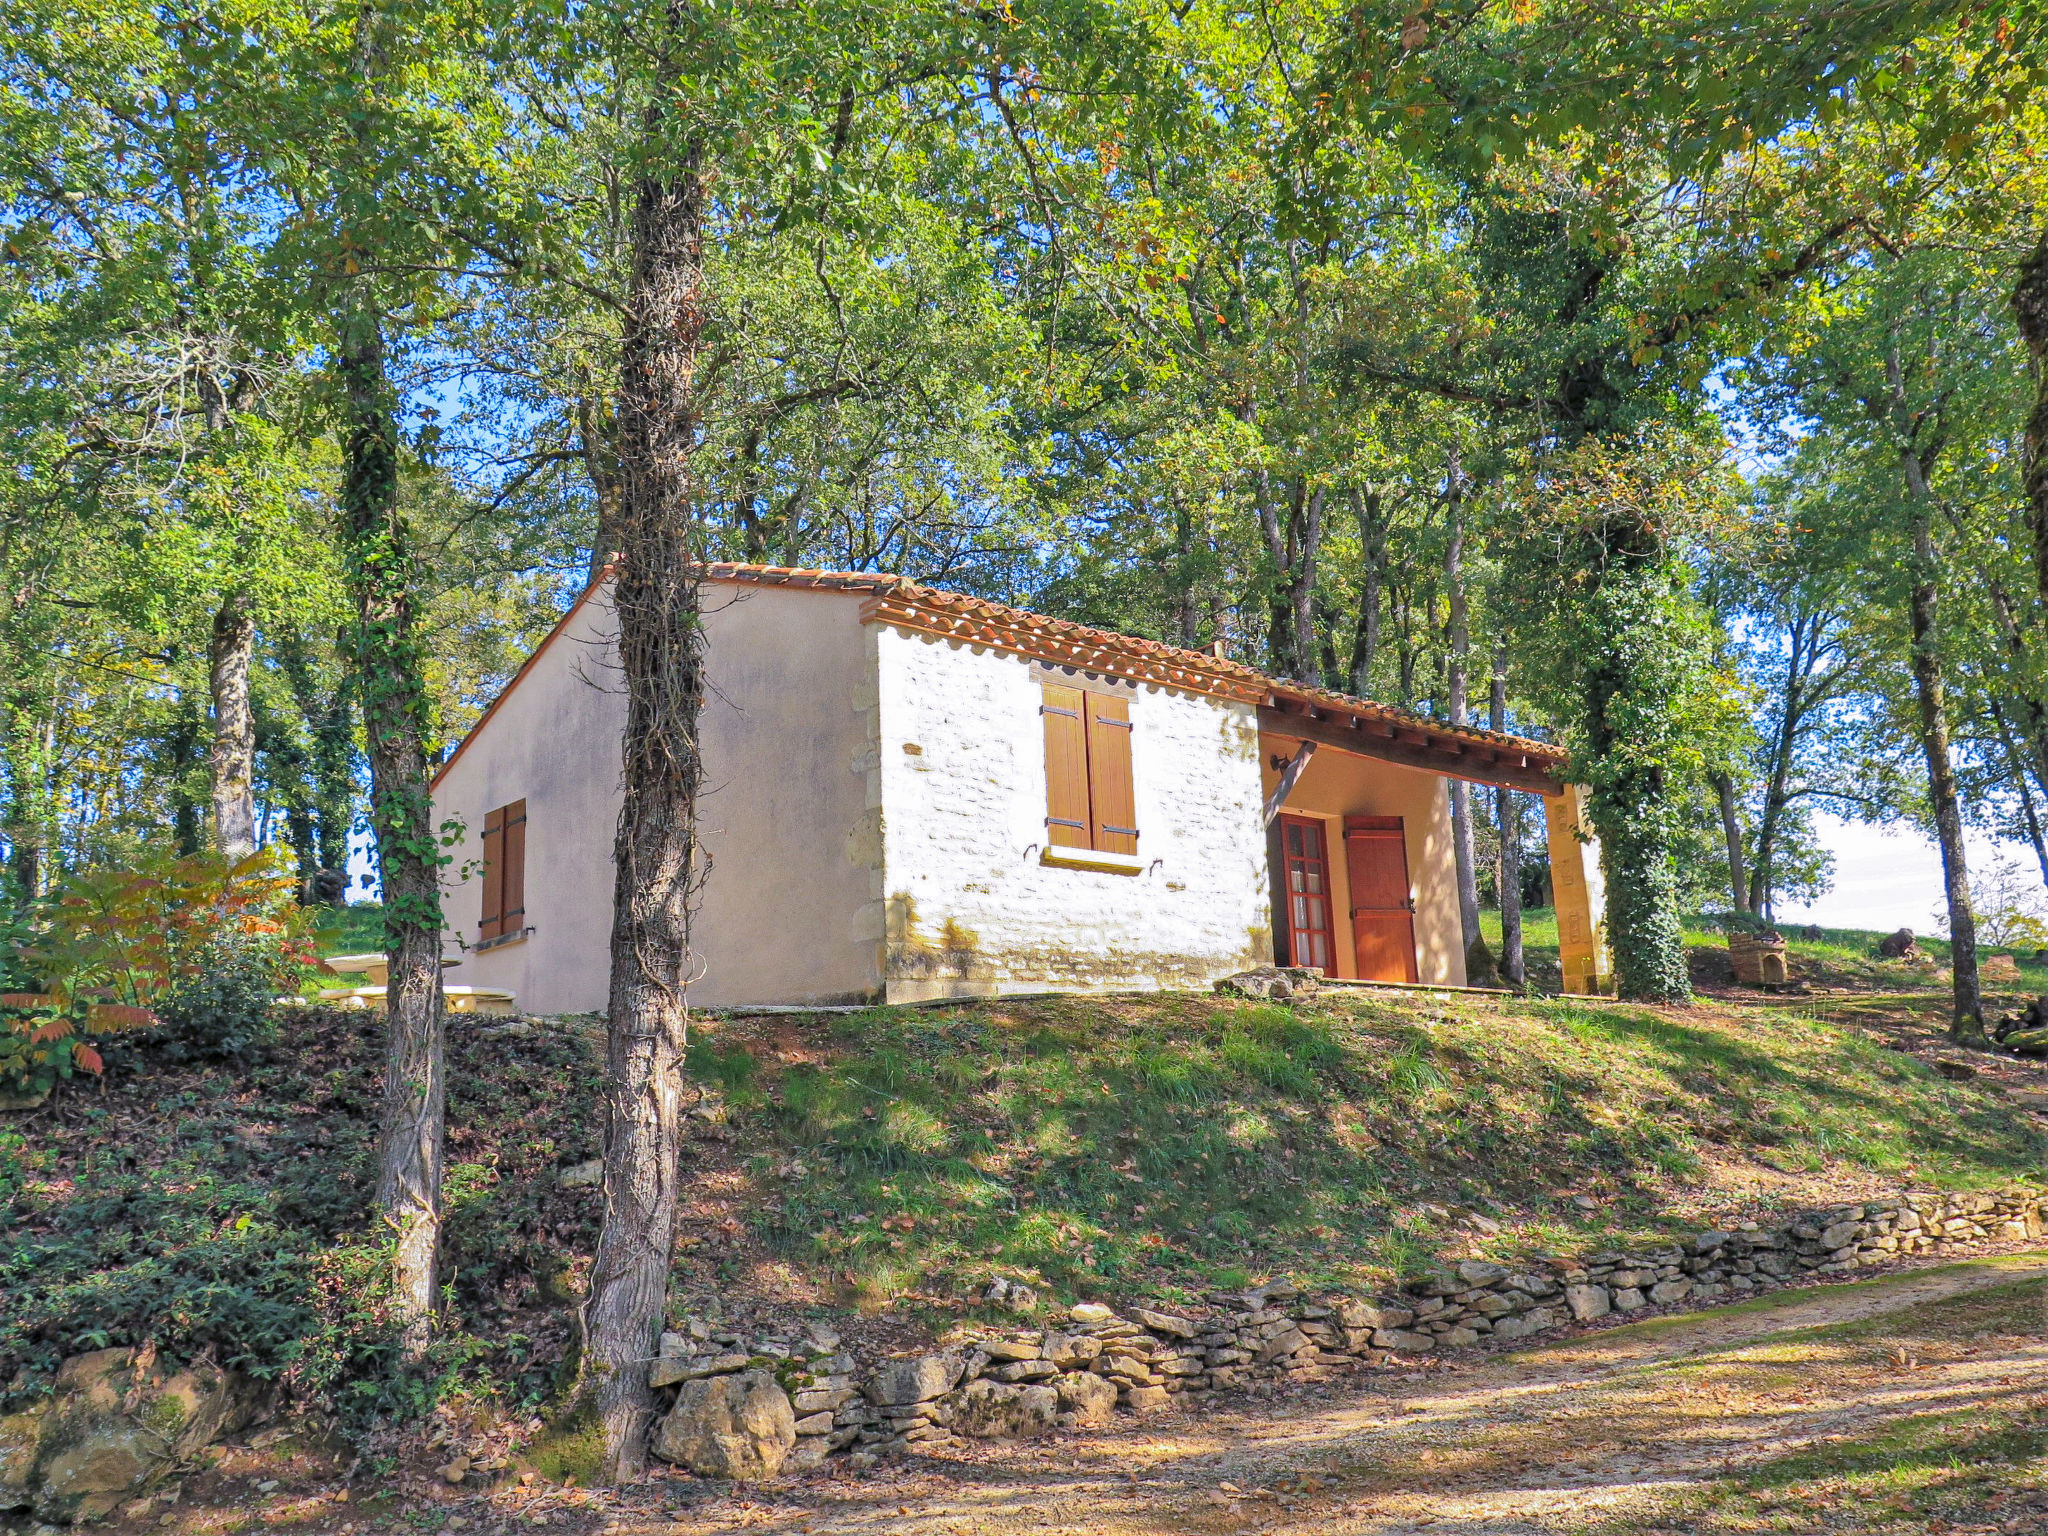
(906, 604)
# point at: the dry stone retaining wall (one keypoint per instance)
(1016, 1385)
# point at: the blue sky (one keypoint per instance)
(1886, 877)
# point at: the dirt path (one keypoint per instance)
(1599, 1431)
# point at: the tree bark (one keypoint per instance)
(2030, 310)
(2020, 777)
(661, 660)
(232, 761)
(1930, 689)
(1372, 543)
(1457, 661)
(597, 438)
(1302, 595)
(330, 730)
(388, 656)
(1731, 829)
(1507, 808)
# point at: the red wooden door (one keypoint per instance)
(1382, 912)
(1306, 867)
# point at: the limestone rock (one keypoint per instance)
(1587, 1302)
(1009, 1349)
(1146, 1400)
(20, 1434)
(582, 1175)
(1090, 1398)
(1270, 983)
(1090, 1312)
(1068, 1351)
(1164, 1323)
(993, 1410)
(1402, 1339)
(1477, 1272)
(1667, 1291)
(667, 1372)
(115, 1425)
(898, 1382)
(739, 1427)
(808, 1454)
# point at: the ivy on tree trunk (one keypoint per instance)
(659, 624)
(1630, 676)
(397, 714)
(233, 757)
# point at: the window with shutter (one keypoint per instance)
(1112, 800)
(504, 914)
(1067, 823)
(1090, 800)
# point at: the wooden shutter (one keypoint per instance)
(1112, 802)
(1066, 769)
(512, 885)
(494, 876)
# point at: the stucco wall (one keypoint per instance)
(787, 817)
(1338, 784)
(969, 909)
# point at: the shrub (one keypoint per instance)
(221, 1014)
(112, 944)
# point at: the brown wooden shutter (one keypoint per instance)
(1112, 799)
(512, 887)
(494, 876)
(1066, 769)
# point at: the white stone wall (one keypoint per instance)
(969, 909)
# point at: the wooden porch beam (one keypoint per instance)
(1420, 752)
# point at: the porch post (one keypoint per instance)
(1580, 892)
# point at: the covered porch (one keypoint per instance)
(1362, 860)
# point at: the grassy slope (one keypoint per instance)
(1122, 1144)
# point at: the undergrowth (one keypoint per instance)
(228, 1213)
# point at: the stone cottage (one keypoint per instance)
(913, 793)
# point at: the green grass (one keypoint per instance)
(352, 930)
(1985, 1466)
(1107, 1146)
(1841, 957)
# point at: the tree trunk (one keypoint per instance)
(387, 654)
(2030, 310)
(1302, 593)
(330, 729)
(1968, 1017)
(1731, 829)
(1187, 609)
(2020, 778)
(1805, 634)
(1507, 808)
(661, 662)
(1372, 543)
(1457, 660)
(184, 744)
(597, 438)
(232, 760)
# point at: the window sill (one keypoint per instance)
(503, 941)
(1090, 858)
